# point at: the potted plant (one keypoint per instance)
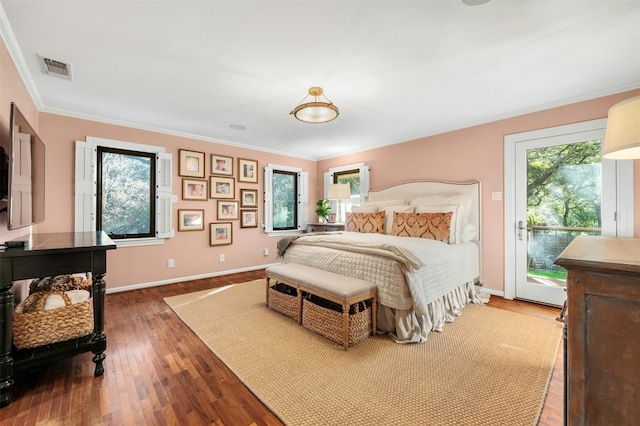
(322, 209)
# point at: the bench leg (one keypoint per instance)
(374, 316)
(267, 295)
(299, 305)
(345, 325)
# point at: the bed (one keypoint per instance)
(419, 242)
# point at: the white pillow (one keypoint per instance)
(364, 209)
(463, 201)
(454, 229)
(395, 202)
(468, 232)
(388, 215)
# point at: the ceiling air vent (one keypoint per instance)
(56, 68)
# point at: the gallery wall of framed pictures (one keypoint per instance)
(229, 204)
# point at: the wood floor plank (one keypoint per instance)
(158, 372)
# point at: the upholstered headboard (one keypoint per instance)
(421, 189)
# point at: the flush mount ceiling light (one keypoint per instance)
(316, 111)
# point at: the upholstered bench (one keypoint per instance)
(340, 289)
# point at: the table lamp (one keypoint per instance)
(338, 192)
(622, 137)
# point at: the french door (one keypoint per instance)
(560, 188)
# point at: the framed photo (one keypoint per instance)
(220, 233)
(190, 220)
(194, 189)
(247, 170)
(222, 187)
(221, 165)
(248, 218)
(248, 198)
(227, 210)
(191, 164)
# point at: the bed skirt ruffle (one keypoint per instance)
(406, 326)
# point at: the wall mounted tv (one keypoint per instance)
(23, 166)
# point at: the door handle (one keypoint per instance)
(520, 228)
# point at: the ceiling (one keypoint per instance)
(397, 70)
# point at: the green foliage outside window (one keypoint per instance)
(352, 177)
(563, 187)
(126, 194)
(284, 200)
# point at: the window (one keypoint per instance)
(357, 176)
(126, 183)
(123, 189)
(285, 198)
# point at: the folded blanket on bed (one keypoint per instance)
(411, 253)
(400, 249)
(284, 243)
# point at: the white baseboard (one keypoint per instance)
(188, 278)
(493, 292)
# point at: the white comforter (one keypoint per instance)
(410, 273)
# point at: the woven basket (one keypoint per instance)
(327, 322)
(284, 299)
(39, 327)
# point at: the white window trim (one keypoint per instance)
(364, 179)
(86, 190)
(302, 199)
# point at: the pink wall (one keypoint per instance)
(191, 251)
(476, 153)
(12, 89)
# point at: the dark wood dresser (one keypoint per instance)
(602, 370)
(45, 255)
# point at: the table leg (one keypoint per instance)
(6, 360)
(99, 341)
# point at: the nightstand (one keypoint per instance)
(324, 227)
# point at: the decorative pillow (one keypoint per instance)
(364, 209)
(389, 210)
(434, 226)
(454, 229)
(372, 223)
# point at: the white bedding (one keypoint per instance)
(421, 283)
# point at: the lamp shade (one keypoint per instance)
(622, 137)
(339, 191)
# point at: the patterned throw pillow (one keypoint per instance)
(434, 226)
(372, 223)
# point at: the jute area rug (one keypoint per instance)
(488, 367)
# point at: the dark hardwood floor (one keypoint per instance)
(158, 372)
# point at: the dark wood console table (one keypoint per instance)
(602, 372)
(46, 255)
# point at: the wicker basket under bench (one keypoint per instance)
(301, 292)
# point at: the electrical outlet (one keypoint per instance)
(222, 258)
(170, 263)
(266, 252)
